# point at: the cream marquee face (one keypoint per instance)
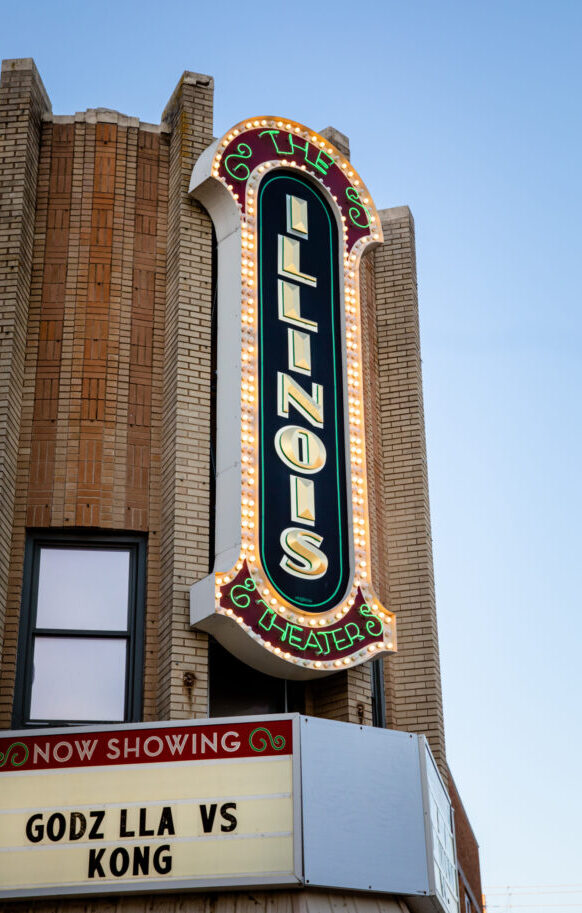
(291, 591)
(149, 808)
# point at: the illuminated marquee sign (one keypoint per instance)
(201, 805)
(149, 808)
(291, 589)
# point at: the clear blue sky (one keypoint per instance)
(469, 112)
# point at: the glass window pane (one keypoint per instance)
(76, 678)
(83, 588)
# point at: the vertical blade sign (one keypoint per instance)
(291, 591)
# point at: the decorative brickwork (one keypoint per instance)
(90, 429)
(106, 414)
(116, 395)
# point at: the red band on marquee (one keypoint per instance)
(82, 748)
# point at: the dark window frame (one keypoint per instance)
(134, 637)
(378, 697)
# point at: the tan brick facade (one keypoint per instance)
(186, 422)
(115, 382)
(470, 889)
(91, 411)
(23, 101)
(106, 393)
(413, 683)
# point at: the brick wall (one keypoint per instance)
(187, 405)
(345, 696)
(467, 853)
(106, 364)
(89, 452)
(405, 578)
(23, 101)
(115, 390)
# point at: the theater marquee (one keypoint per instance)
(197, 805)
(168, 806)
(291, 590)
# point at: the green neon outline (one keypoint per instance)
(268, 622)
(306, 184)
(273, 133)
(324, 166)
(278, 742)
(356, 199)
(366, 612)
(318, 164)
(239, 155)
(11, 754)
(247, 587)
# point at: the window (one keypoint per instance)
(81, 633)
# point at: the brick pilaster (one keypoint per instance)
(186, 410)
(413, 699)
(23, 101)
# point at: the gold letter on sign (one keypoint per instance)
(300, 449)
(301, 544)
(290, 306)
(302, 501)
(296, 216)
(311, 407)
(289, 261)
(299, 345)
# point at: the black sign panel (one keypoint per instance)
(303, 513)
